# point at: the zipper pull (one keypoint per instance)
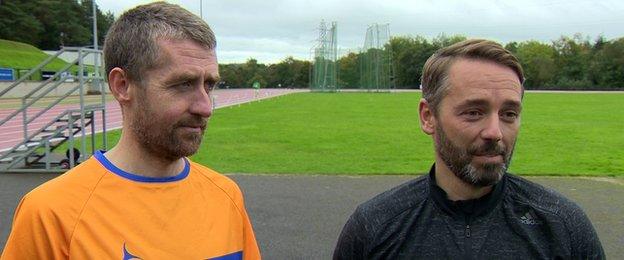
(467, 230)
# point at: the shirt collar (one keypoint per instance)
(99, 156)
(465, 208)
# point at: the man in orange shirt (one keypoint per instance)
(143, 198)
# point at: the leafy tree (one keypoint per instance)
(409, 54)
(301, 69)
(572, 57)
(538, 62)
(49, 24)
(18, 24)
(229, 76)
(289, 73)
(253, 71)
(104, 20)
(512, 47)
(282, 74)
(608, 65)
(63, 24)
(348, 73)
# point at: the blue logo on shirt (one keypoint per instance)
(233, 256)
(127, 255)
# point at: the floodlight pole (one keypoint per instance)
(94, 88)
(95, 42)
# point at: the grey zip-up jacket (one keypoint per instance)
(517, 220)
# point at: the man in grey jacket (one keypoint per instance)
(468, 206)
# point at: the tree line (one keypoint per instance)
(575, 62)
(50, 24)
(289, 73)
(572, 63)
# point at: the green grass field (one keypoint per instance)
(570, 134)
(361, 133)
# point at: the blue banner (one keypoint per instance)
(6, 74)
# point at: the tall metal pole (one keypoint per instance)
(95, 41)
(95, 86)
(201, 11)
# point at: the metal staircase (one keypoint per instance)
(38, 150)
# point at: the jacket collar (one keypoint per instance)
(465, 208)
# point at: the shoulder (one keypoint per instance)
(360, 232)
(394, 202)
(47, 215)
(220, 181)
(565, 217)
(538, 196)
(214, 177)
(549, 205)
(68, 190)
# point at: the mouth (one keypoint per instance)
(194, 128)
(488, 158)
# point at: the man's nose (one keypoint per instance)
(202, 103)
(492, 130)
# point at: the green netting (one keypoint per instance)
(375, 60)
(324, 68)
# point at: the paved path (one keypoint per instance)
(300, 216)
(11, 132)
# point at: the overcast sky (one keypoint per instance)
(270, 30)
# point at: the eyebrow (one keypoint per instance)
(512, 104)
(483, 103)
(181, 77)
(185, 76)
(211, 78)
(471, 103)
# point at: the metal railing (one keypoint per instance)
(42, 91)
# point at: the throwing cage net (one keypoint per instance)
(375, 60)
(324, 70)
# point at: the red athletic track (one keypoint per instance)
(11, 132)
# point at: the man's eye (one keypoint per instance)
(472, 114)
(510, 116)
(210, 86)
(184, 85)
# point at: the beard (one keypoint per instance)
(165, 139)
(459, 160)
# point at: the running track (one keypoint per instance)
(11, 132)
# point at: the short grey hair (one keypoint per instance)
(435, 78)
(132, 40)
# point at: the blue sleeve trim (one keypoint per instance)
(233, 256)
(130, 176)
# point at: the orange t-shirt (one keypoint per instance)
(98, 211)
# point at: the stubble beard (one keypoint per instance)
(165, 139)
(459, 160)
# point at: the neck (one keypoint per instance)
(130, 156)
(455, 188)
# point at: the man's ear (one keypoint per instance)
(119, 85)
(427, 118)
